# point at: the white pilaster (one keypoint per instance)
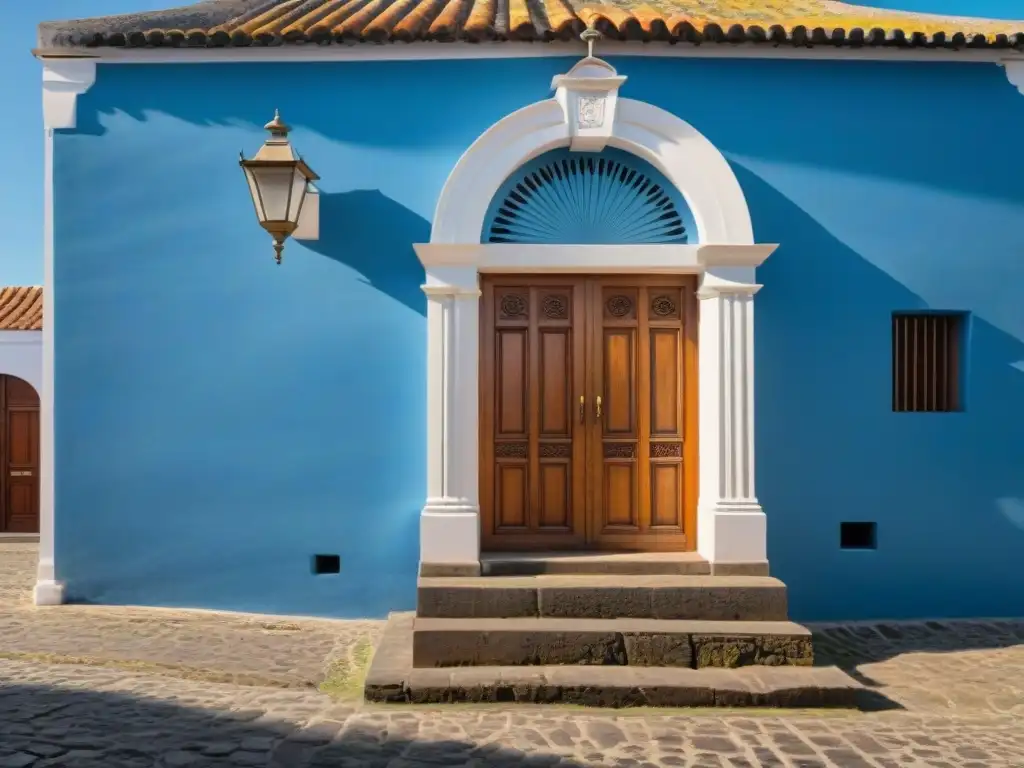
(64, 80)
(48, 590)
(450, 521)
(731, 526)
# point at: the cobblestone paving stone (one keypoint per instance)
(17, 573)
(221, 647)
(215, 646)
(149, 687)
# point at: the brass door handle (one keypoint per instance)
(583, 409)
(599, 406)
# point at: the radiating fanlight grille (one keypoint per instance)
(584, 198)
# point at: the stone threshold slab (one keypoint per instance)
(543, 624)
(634, 642)
(604, 580)
(393, 679)
(668, 597)
(623, 563)
(19, 538)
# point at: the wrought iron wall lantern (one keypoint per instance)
(279, 182)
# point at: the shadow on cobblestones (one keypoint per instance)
(865, 650)
(852, 645)
(45, 726)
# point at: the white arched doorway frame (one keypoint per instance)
(687, 158)
(21, 355)
(731, 526)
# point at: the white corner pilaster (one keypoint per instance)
(48, 591)
(64, 80)
(731, 526)
(450, 521)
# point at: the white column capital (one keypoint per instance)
(721, 279)
(737, 290)
(451, 291)
(451, 280)
(64, 80)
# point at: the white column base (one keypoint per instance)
(732, 532)
(48, 591)
(449, 539)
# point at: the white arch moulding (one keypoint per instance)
(731, 526)
(21, 355)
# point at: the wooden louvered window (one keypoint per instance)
(926, 362)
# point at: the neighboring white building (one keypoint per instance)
(21, 375)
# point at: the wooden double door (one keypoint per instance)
(588, 413)
(19, 456)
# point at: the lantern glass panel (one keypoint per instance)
(254, 193)
(298, 194)
(272, 188)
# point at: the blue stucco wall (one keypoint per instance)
(221, 419)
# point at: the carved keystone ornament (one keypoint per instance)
(589, 94)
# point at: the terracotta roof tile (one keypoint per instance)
(21, 308)
(224, 23)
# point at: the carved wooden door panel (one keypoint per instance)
(19, 484)
(643, 459)
(532, 441)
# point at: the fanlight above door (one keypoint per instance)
(563, 197)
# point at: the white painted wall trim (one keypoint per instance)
(48, 591)
(524, 50)
(592, 259)
(1015, 73)
(21, 355)
(731, 525)
(64, 80)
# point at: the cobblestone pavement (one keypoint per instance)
(90, 686)
(17, 573)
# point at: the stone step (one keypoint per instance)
(19, 538)
(624, 563)
(392, 678)
(636, 642)
(708, 598)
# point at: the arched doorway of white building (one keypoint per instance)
(19, 456)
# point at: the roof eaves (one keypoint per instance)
(269, 23)
(21, 308)
(193, 21)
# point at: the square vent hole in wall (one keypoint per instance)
(858, 535)
(325, 564)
